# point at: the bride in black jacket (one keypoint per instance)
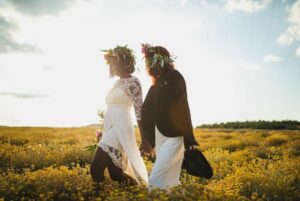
(166, 119)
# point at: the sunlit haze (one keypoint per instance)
(240, 58)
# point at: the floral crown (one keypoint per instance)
(120, 52)
(157, 57)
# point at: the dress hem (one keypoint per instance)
(115, 154)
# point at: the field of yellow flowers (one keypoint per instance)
(50, 164)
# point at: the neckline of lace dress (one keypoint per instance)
(127, 78)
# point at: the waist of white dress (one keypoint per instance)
(117, 113)
(119, 107)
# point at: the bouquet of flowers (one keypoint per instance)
(92, 148)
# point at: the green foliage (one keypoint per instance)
(120, 52)
(50, 164)
(156, 57)
(272, 125)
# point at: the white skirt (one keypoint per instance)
(169, 156)
(119, 142)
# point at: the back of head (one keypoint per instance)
(158, 60)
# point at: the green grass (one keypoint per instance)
(49, 164)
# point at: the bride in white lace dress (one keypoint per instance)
(117, 150)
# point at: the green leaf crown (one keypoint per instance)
(156, 57)
(120, 52)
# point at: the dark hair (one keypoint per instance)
(156, 70)
(123, 64)
(120, 59)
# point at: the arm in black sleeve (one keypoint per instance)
(179, 109)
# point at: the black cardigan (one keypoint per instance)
(166, 106)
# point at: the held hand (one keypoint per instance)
(98, 134)
(145, 148)
(147, 152)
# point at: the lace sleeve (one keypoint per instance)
(135, 93)
(132, 88)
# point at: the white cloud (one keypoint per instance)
(22, 95)
(203, 2)
(183, 2)
(292, 33)
(272, 58)
(286, 38)
(8, 43)
(71, 44)
(9, 26)
(294, 16)
(298, 52)
(248, 6)
(40, 7)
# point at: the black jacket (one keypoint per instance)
(166, 106)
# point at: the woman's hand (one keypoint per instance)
(145, 148)
(147, 151)
(98, 134)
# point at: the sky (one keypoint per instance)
(240, 58)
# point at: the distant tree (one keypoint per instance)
(261, 124)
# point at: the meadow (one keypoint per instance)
(50, 164)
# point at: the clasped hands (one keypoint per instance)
(147, 151)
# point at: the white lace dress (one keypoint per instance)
(118, 138)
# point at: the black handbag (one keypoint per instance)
(196, 164)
